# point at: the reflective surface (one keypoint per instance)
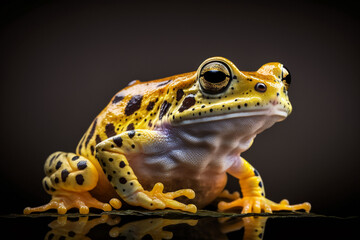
(178, 225)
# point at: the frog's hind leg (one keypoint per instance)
(68, 179)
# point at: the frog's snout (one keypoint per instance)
(274, 102)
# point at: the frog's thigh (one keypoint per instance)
(69, 172)
(112, 154)
(68, 179)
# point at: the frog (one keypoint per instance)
(171, 143)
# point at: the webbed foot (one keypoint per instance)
(156, 199)
(259, 204)
(62, 202)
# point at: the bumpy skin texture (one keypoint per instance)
(181, 134)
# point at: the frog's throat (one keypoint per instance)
(279, 112)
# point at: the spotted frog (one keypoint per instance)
(174, 137)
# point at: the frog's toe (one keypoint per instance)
(284, 205)
(63, 202)
(261, 204)
(227, 195)
(156, 199)
(43, 208)
(115, 203)
(159, 187)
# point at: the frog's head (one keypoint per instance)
(219, 90)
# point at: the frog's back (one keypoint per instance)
(137, 106)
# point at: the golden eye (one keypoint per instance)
(214, 77)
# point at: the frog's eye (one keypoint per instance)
(260, 87)
(286, 77)
(214, 77)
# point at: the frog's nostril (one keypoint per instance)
(260, 87)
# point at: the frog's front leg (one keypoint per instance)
(113, 156)
(252, 187)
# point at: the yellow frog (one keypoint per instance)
(181, 134)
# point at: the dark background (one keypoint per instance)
(62, 61)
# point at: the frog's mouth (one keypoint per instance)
(277, 112)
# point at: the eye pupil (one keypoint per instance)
(260, 87)
(214, 76)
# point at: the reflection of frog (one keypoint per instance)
(131, 227)
(184, 131)
(62, 228)
(151, 226)
(254, 227)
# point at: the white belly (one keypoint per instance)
(197, 156)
